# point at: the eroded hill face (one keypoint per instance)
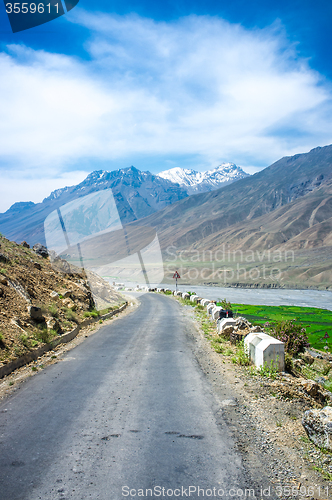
(279, 218)
(38, 302)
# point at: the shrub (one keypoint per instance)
(45, 336)
(224, 304)
(241, 357)
(70, 315)
(294, 336)
(53, 310)
(25, 340)
(288, 362)
(217, 347)
(269, 370)
(91, 314)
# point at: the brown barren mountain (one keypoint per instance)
(280, 218)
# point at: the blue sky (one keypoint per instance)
(159, 85)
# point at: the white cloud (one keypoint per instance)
(16, 186)
(198, 86)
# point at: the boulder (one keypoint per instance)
(321, 381)
(307, 358)
(256, 329)
(1, 292)
(39, 249)
(4, 258)
(69, 304)
(227, 331)
(237, 336)
(311, 388)
(3, 280)
(242, 323)
(53, 324)
(318, 426)
(298, 364)
(35, 313)
(25, 244)
(54, 295)
(36, 265)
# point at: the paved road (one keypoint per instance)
(129, 407)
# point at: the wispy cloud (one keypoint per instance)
(197, 86)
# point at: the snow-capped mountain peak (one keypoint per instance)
(197, 182)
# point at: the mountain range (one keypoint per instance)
(285, 207)
(199, 182)
(137, 195)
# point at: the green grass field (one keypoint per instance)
(315, 321)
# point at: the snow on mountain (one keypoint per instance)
(198, 182)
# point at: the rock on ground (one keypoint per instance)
(318, 426)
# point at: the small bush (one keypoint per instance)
(53, 310)
(25, 341)
(224, 304)
(91, 314)
(269, 370)
(241, 357)
(294, 336)
(217, 346)
(288, 362)
(45, 336)
(70, 315)
(326, 369)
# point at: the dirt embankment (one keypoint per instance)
(39, 301)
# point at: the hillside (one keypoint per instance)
(286, 207)
(137, 195)
(189, 221)
(38, 302)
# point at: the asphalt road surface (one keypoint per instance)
(127, 410)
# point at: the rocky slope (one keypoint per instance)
(38, 302)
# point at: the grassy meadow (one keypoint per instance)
(316, 321)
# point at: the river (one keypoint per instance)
(261, 296)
